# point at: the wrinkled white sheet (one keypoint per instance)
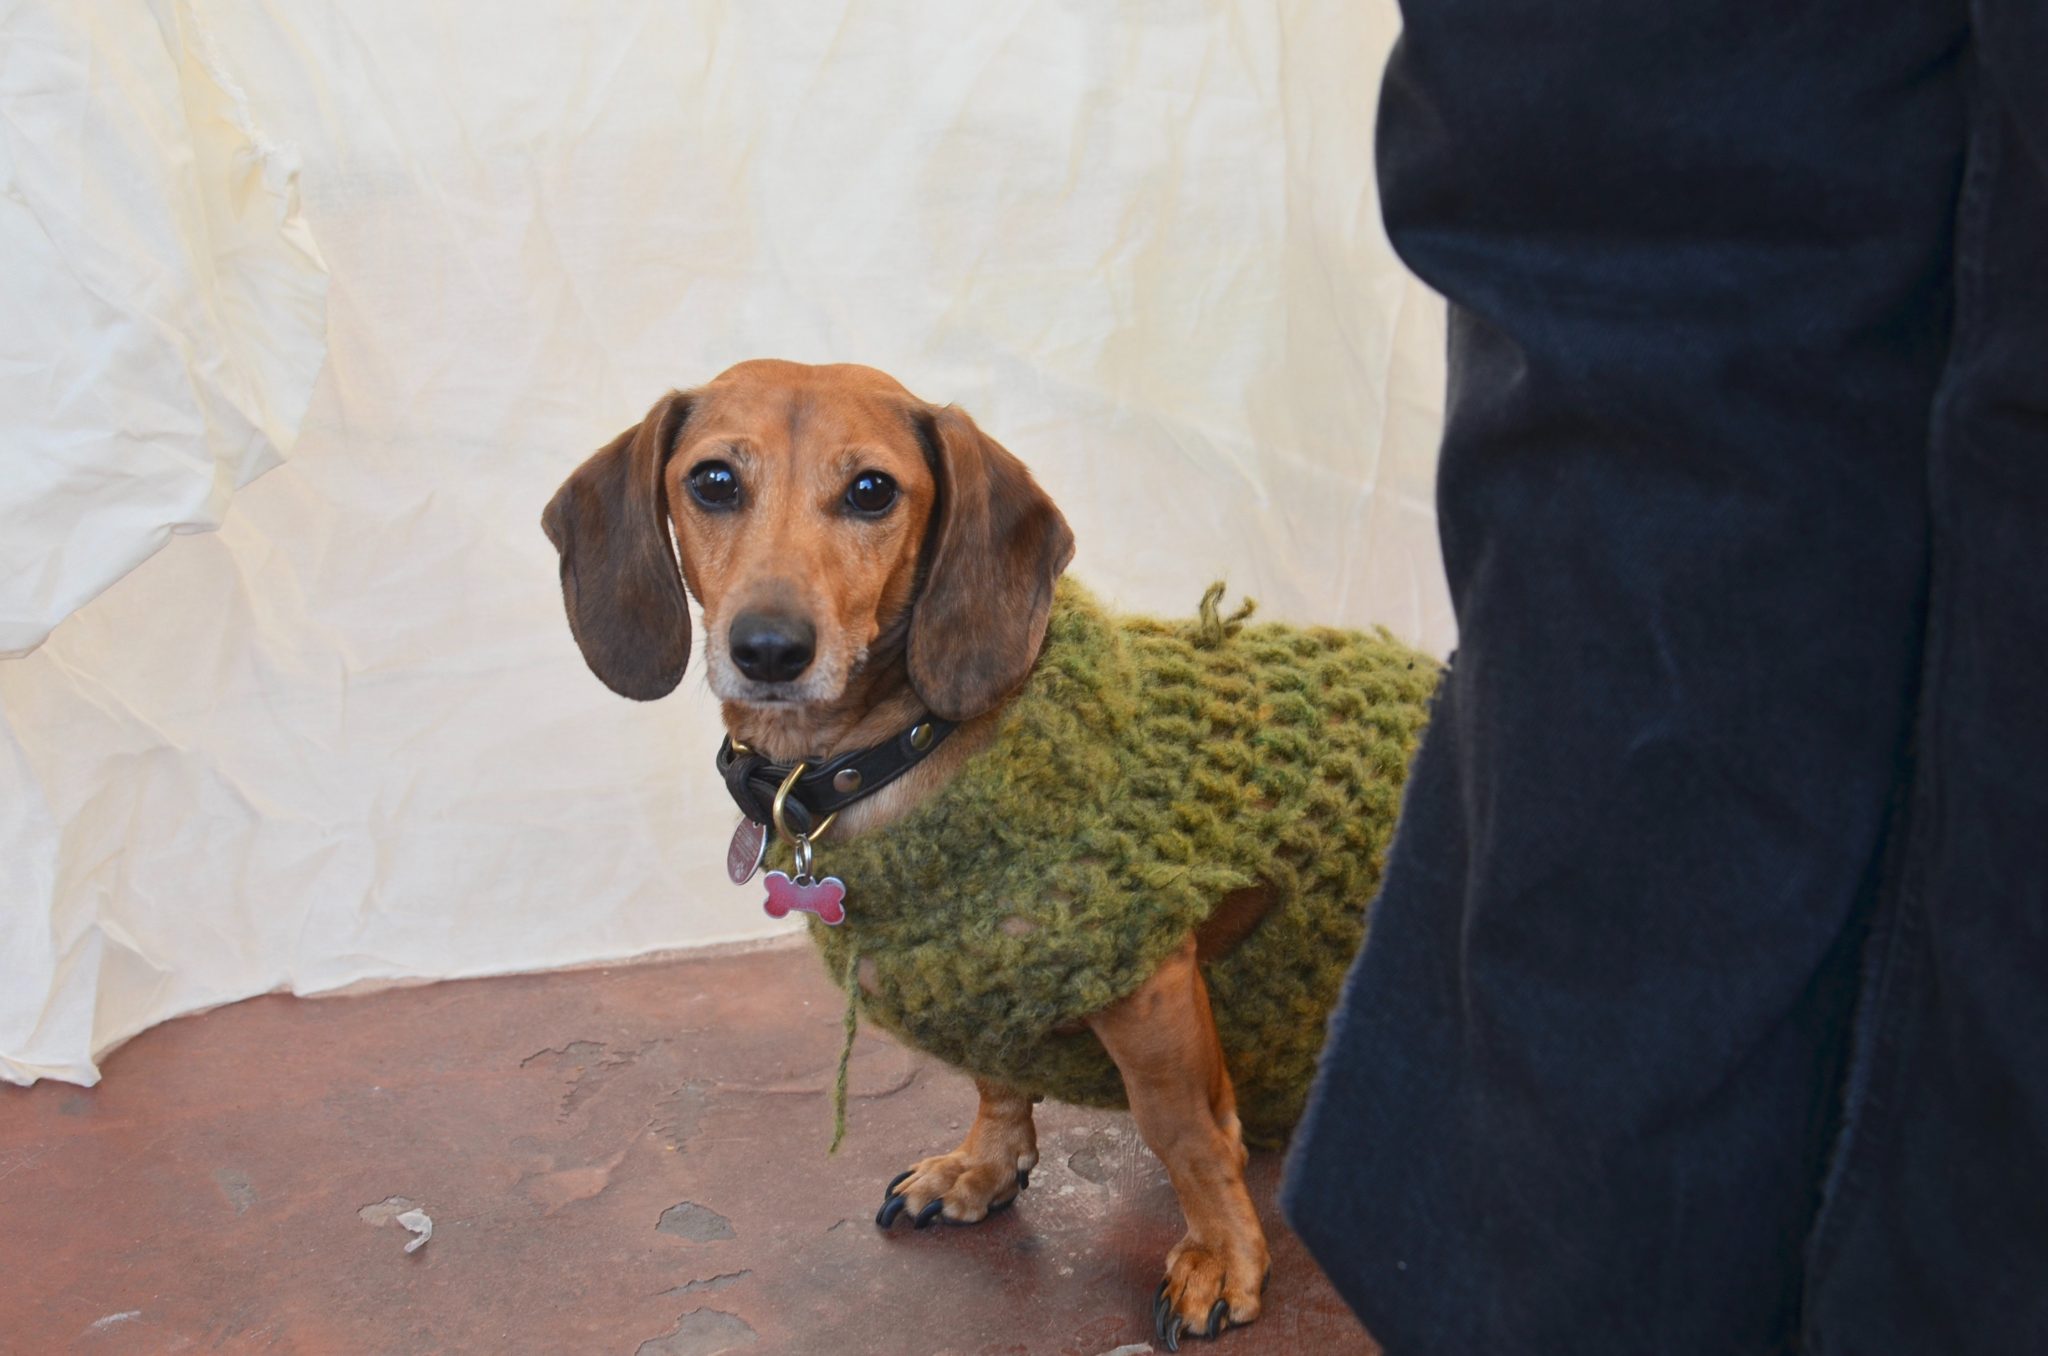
(161, 301)
(348, 736)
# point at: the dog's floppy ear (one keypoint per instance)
(620, 581)
(994, 550)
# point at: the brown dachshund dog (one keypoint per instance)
(863, 558)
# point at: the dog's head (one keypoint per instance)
(827, 520)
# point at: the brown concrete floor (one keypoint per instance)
(616, 1161)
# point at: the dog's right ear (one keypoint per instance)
(620, 581)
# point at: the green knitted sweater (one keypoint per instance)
(1147, 769)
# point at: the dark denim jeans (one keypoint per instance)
(1705, 1007)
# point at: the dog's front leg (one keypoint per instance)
(980, 1177)
(1163, 1039)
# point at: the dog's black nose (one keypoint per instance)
(772, 648)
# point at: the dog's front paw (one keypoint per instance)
(958, 1188)
(1207, 1289)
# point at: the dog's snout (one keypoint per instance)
(772, 647)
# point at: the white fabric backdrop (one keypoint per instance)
(161, 294)
(348, 736)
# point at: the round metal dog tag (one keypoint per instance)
(744, 855)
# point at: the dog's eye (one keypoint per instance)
(871, 493)
(714, 485)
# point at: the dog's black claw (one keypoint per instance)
(898, 1180)
(1023, 1178)
(1217, 1312)
(930, 1212)
(1173, 1332)
(891, 1208)
(1159, 1312)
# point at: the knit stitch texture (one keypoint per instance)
(1147, 769)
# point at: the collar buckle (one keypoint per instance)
(799, 799)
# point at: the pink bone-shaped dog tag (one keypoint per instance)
(825, 898)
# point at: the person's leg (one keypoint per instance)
(1580, 1093)
(1935, 1234)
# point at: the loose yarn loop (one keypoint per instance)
(1211, 627)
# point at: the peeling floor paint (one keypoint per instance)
(694, 1222)
(236, 1186)
(385, 1211)
(708, 1284)
(701, 1332)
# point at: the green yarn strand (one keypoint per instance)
(1212, 628)
(851, 981)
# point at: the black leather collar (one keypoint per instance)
(824, 788)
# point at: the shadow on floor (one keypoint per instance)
(624, 1161)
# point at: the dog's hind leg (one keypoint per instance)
(980, 1177)
(1163, 1039)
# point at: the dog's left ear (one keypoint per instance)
(620, 581)
(994, 550)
